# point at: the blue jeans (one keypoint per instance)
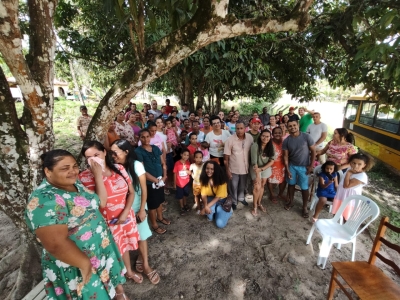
(221, 216)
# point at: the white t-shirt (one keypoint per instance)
(183, 115)
(217, 142)
(196, 171)
(156, 113)
(316, 130)
(164, 138)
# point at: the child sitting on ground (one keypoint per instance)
(327, 185)
(195, 170)
(204, 149)
(182, 180)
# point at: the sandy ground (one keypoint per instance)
(252, 258)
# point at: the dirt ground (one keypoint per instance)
(252, 258)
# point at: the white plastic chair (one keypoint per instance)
(315, 198)
(333, 232)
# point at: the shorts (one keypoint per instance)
(196, 189)
(182, 191)
(154, 197)
(170, 161)
(299, 177)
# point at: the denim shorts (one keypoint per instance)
(181, 192)
(299, 177)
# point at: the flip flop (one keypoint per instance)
(254, 212)
(153, 277)
(273, 200)
(305, 215)
(159, 230)
(164, 221)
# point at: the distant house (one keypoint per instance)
(60, 89)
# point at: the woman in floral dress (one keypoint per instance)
(278, 167)
(80, 259)
(116, 187)
(123, 129)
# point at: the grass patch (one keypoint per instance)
(66, 112)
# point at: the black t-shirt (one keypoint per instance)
(293, 117)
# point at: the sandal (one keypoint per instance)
(182, 212)
(288, 207)
(160, 230)
(254, 212)
(139, 266)
(153, 277)
(306, 215)
(166, 192)
(164, 221)
(186, 207)
(273, 200)
(122, 294)
(165, 202)
(262, 208)
(136, 277)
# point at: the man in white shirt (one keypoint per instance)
(156, 112)
(184, 113)
(318, 132)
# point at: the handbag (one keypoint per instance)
(227, 205)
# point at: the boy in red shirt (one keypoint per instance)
(182, 179)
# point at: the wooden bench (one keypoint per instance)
(364, 278)
(38, 292)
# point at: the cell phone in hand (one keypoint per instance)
(114, 221)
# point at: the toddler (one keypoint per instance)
(172, 136)
(204, 149)
(327, 185)
(182, 180)
(195, 169)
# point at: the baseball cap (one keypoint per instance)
(291, 108)
(255, 120)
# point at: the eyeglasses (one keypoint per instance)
(216, 123)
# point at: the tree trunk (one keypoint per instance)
(200, 93)
(188, 90)
(76, 86)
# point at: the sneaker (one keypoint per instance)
(234, 206)
(244, 202)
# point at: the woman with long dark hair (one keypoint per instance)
(262, 158)
(214, 191)
(156, 174)
(114, 184)
(65, 217)
(124, 154)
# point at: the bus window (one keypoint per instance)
(351, 111)
(368, 113)
(385, 120)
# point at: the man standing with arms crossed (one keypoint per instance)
(299, 155)
(236, 160)
(318, 132)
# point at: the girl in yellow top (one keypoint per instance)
(214, 191)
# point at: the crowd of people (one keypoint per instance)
(88, 221)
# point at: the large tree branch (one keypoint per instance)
(211, 23)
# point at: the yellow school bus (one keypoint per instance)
(375, 129)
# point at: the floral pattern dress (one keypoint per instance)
(126, 236)
(278, 167)
(47, 206)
